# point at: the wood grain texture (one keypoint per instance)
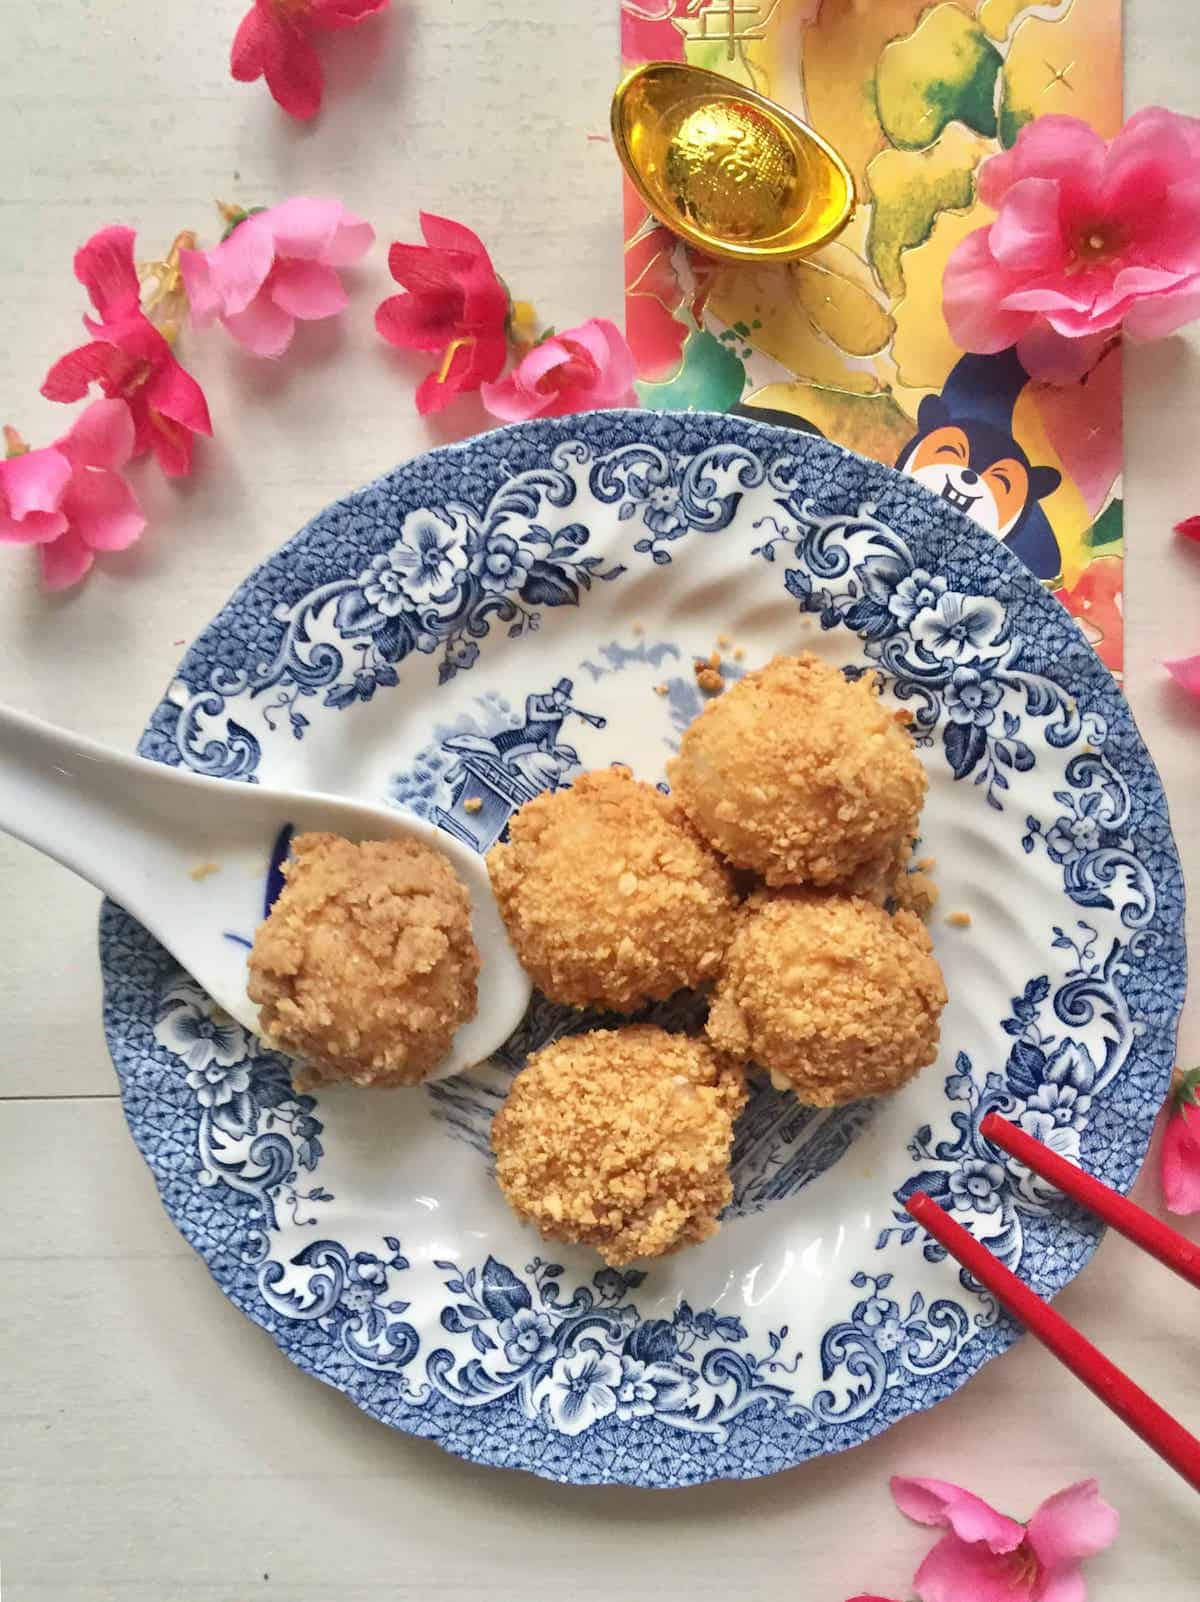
(154, 1447)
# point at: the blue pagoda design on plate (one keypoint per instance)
(505, 769)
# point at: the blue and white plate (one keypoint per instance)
(488, 621)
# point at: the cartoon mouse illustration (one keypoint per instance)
(965, 452)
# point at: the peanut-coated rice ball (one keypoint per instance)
(799, 774)
(620, 1140)
(609, 897)
(366, 964)
(830, 994)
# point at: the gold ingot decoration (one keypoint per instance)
(725, 168)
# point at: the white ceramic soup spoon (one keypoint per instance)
(196, 860)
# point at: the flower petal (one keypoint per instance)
(36, 529)
(303, 226)
(1027, 236)
(263, 327)
(1189, 528)
(1072, 1524)
(969, 1516)
(103, 510)
(101, 436)
(332, 14)
(34, 481)
(1185, 670)
(608, 348)
(176, 394)
(105, 268)
(318, 229)
(65, 561)
(957, 1570)
(973, 285)
(1181, 1157)
(443, 233)
(353, 238)
(509, 401)
(418, 322)
(255, 39)
(1047, 147)
(199, 282)
(73, 374)
(225, 280)
(1160, 315)
(307, 289)
(1179, 1162)
(294, 74)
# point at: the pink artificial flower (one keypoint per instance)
(1181, 1146)
(273, 41)
(273, 267)
(990, 1558)
(31, 492)
(69, 498)
(101, 511)
(1189, 528)
(1088, 237)
(453, 304)
(585, 367)
(129, 358)
(1185, 670)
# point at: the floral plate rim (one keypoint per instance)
(538, 438)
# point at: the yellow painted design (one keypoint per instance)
(945, 71)
(910, 189)
(923, 349)
(843, 310)
(996, 17)
(1068, 66)
(839, 60)
(770, 296)
(873, 425)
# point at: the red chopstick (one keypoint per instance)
(1128, 1401)
(1139, 1226)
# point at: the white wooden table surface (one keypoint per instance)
(154, 1447)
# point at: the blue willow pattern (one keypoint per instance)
(512, 1365)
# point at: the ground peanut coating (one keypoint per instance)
(799, 774)
(366, 964)
(829, 993)
(609, 897)
(620, 1140)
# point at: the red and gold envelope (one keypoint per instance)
(852, 339)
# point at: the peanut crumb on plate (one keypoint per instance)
(203, 869)
(639, 628)
(738, 654)
(661, 689)
(723, 641)
(959, 920)
(709, 678)
(473, 803)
